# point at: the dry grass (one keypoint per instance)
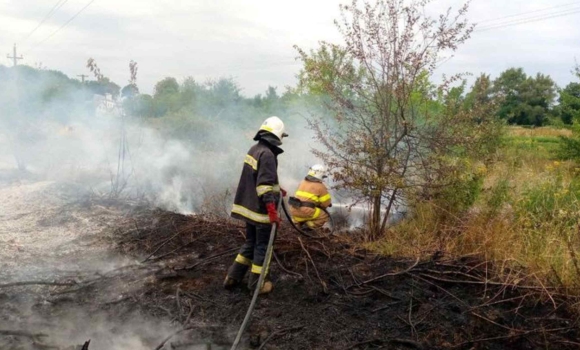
(527, 215)
(544, 131)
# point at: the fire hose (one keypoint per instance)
(267, 261)
(314, 233)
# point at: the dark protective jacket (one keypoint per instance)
(258, 183)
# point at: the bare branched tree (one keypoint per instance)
(133, 70)
(119, 180)
(391, 131)
(94, 68)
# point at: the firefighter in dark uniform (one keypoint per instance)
(256, 200)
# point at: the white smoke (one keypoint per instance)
(136, 158)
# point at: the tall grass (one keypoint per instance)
(538, 132)
(526, 215)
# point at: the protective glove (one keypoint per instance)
(273, 213)
(283, 191)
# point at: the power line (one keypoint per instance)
(529, 12)
(64, 25)
(529, 20)
(526, 19)
(52, 11)
(538, 16)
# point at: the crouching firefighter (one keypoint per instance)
(255, 202)
(310, 198)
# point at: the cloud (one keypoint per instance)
(253, 40)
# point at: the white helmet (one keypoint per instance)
(275, 126)
(318, 171)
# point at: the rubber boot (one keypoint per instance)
(306, 228)
(235, 275)
(230, 283)
(266, 287)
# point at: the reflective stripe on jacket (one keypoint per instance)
(314, 191)
(258, 184)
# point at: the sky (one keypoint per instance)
(252, 41)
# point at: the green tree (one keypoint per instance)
(569, 147)
(569, 103)
(129, 91)
(508, 86)
(103, 87)
(481, 104)
(525, 100)
(189, 92)
(130, 96)
(144, 106)
(387, 137)
(478, 134)
(221, 93)
(166, 96)
(481, 91)
(165, 87)
(270, 103)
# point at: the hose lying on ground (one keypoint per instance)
(315, 233)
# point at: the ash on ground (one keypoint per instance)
(75, 266)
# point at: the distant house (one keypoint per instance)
(106, 105)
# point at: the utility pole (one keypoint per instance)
(14, 57)
(83, 76)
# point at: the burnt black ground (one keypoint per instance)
(436, 304)
(328, 298)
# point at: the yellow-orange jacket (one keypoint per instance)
(313, 191)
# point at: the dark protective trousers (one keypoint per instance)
(252, 254)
